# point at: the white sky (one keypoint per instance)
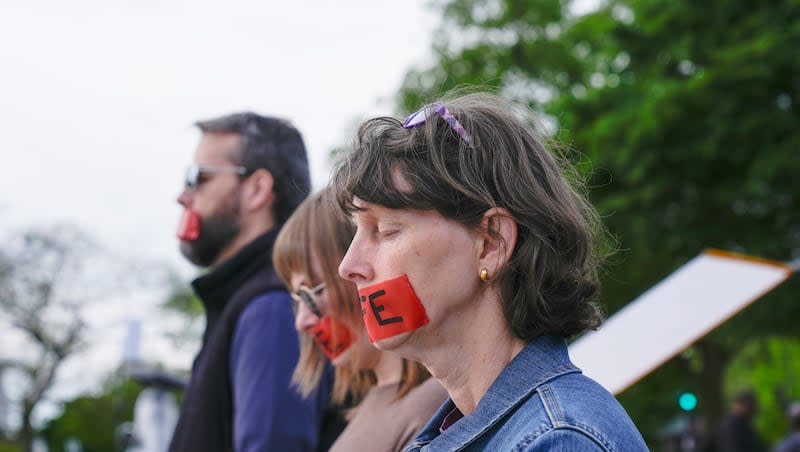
(98, 100)
(98, 97)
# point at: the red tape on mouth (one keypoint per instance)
(390, 308)
(332, 337)
(189, 225)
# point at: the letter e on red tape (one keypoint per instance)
(390, 308)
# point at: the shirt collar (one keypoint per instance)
(539, 362)
(217, 286)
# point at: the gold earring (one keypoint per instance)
(484, 275)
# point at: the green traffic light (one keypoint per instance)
(687, 401)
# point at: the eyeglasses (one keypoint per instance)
(421, 116)
(195, 174)
(308, 296)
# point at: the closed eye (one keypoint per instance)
(388, 231)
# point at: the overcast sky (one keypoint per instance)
(98, 97)
(98, 100)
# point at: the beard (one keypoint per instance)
(217, 231)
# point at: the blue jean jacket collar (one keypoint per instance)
(539, 362)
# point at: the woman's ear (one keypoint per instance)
(499, 237)
(259, 190)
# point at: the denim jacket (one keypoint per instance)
(540, 402)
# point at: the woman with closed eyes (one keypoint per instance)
(472, 240)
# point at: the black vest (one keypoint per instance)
(206, 420)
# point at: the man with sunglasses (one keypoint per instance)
(249, 174)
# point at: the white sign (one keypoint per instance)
(670, 316)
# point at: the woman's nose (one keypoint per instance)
(305, 318)
(354, 267)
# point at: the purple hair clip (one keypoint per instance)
(421, 116)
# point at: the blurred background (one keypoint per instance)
(684, 118)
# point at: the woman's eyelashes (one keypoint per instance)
(387, 230)
(373, 225)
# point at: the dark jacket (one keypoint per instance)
(239, 397)
(736, 434)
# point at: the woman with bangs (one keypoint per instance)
(392, 397)
(475, 255)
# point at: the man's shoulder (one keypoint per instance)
(265, 324)
(274, 295)
(264, 282)
(271, 306)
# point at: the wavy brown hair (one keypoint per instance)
(317, 228)
(549, 283)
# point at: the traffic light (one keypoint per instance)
(687, 401)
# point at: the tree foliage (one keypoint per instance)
(182, 300)
(685, 120)
(770, 365)
(41, 311)
(94, 419)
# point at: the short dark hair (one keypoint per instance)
(549, 283)
(272, 144)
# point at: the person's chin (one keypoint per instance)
(343, 359)
(394, 343)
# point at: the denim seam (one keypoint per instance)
(556, 372)
(551, 405)
(558, 420)
(417, 445)
(594, 434)
(584, 429)
(531, 437)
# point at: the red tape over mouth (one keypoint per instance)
(390, 308)
(189, 226)
(332, 337)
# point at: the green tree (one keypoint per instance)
(182, 300)
(770, 365)
(9, 447)
(684, 116)
(94, 419)
(42, 312)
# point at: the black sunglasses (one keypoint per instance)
(308, 296)
(195, 174)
